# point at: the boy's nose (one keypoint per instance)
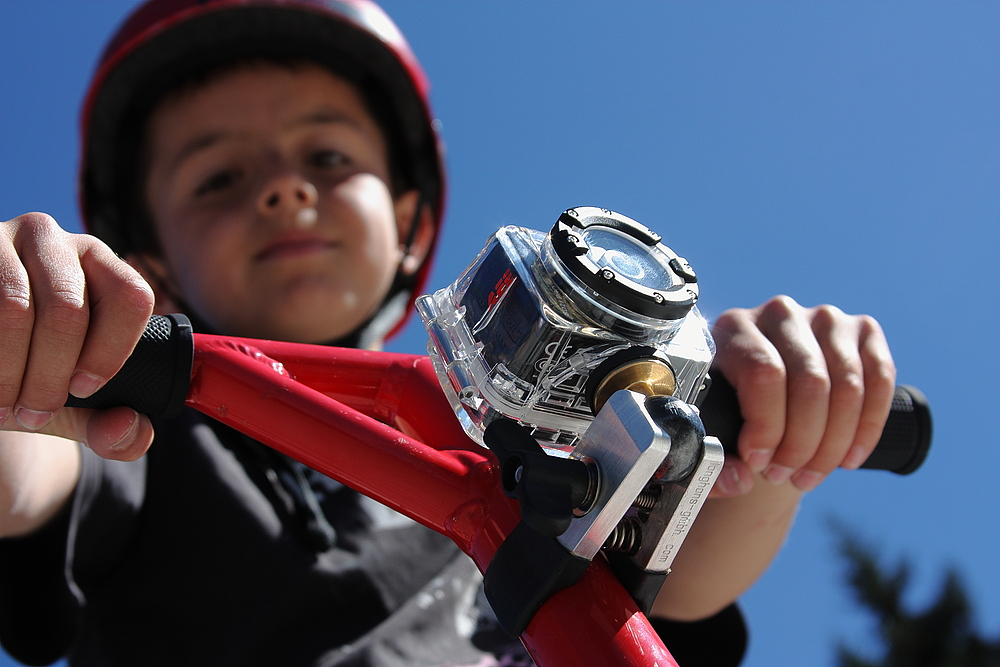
(287, 192)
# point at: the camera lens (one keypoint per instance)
(627, 257)
(622, 264)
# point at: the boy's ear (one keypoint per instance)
(154, 271)
(422, 240)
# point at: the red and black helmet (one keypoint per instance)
(165, 42)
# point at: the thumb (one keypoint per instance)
(736, 479)
(121, 434)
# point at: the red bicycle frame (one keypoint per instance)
(379, 423)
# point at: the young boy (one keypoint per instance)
(271, 169)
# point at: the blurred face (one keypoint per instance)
(268, 190)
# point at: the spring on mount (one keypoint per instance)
(626, 536)
(647, 498)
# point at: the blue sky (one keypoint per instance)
(844, 152)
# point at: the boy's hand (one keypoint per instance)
(70, 314)
(815, 387)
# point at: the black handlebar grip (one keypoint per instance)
(906, 437)
(155, 378)
(905, 441)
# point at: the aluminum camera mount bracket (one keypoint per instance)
(637, 479)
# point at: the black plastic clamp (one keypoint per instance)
(531, 564)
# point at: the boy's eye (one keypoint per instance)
(327, 158)
(216, 182)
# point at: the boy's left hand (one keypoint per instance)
(815, 387)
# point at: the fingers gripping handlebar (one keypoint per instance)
(905, 441)
(155, 378)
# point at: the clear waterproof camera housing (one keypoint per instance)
(521, 331)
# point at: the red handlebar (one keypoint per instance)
(325, 407)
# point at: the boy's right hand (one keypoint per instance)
(71, 312)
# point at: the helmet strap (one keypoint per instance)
(373, 332)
